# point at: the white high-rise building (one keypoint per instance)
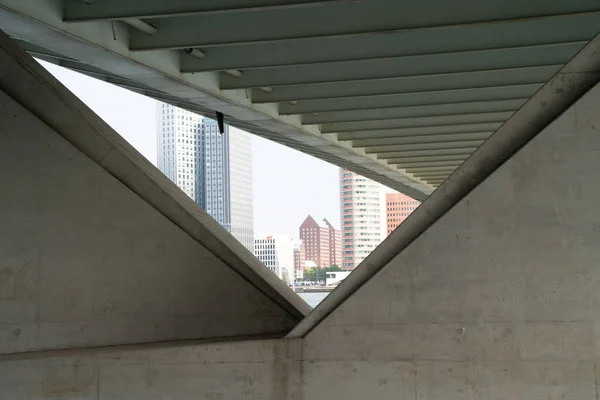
(212, 168)
(179, 133)
(360, 206)
(277, 253)
(241, 189)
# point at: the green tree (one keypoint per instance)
(318, 274)
(309, 274)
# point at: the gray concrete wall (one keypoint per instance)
(499, 299)
(256, 370)
(86, 262)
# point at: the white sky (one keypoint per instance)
(288, 185)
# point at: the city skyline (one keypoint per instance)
(281, 202)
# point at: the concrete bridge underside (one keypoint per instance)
(112, 282)
(402, 92)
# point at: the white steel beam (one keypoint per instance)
(104, 45)
(526, 32)
(415, 111)
(419, 131)
(408, 66)
(409, 99)
(415, 122)
(342, 19)
(81, 11)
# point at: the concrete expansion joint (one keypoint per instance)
(596, 381)
(121, 349)
(101, 160)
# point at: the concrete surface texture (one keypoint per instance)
(86, 262)
(30, 85)
(497, 300)
(255, 370)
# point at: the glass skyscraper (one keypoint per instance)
(212, 168)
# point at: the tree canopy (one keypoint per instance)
(318, 273)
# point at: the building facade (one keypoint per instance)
(277, 253)
(299, 259)
(398, 207)
(321, 241)
(214, 183)
(225, 165)
(360, 207)
(241, 189)
(178, 139)
(212, 168)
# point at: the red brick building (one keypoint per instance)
(321, 241)
(398, 207)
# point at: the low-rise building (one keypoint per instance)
(277, 253)
(321, 241)
(299, 259)
(335, 277)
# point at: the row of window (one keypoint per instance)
(403, 203)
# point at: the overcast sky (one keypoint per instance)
(288, 185)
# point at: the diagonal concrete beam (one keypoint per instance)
(21, 75)
(577, 77)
